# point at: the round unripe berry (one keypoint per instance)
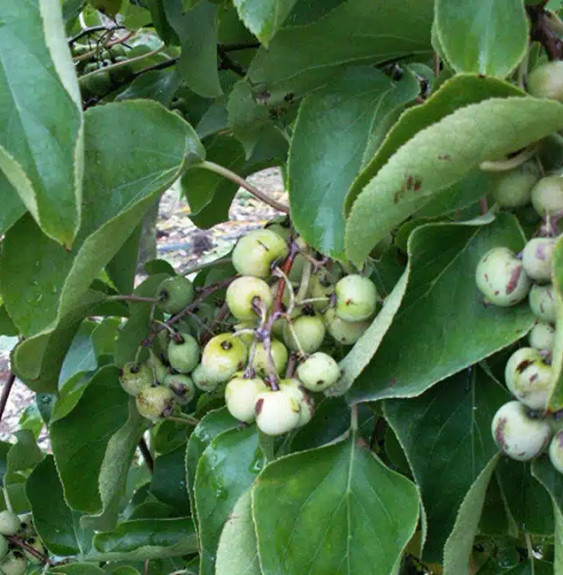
(282, 231)
(528, 378)
(537, 257)
(255, 253)
(518, 435)
(501, 278)
(318, 372)
(277, 412)
(556, 451)
(356, 298)
(247, 338)
(546, 81)
(223, 356)
(13, 564)
(9, 522)
(36, 544)
(541, 336)
(280, 356)
(547, 196)
(246, 292)
(26, 525)
(203, 380)
(542, 303)
(240, 396)
(159, 370)
(174, 294)
(512, 189)
(308, 334)
(134, 377)
(318, 290)
(4, 548)
(182, 386)
(155, 403)
(344, 332)
(307, 407)
(183, 352)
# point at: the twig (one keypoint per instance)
(221, 315)
(511, 163)
(542, 32)
(31, 550)
(6, 392)
(240, 46)
(92, 30)
(146, 453)
(147, 566)
(137, 298)
(227, 63)
(218, 262)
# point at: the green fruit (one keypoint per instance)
(135, 376)
(182, 386)
(121, 73)
(277, 412)
(512, 189)
(280, 229)
(36, 544)
(183, 353)
(203, 380)
(519, 436)
(97, 84)
(223, 356)
(344, 332)
(318, 372)
(155, 403)
(542, 303)
(174, 294)
(257, 251)
(296, 271)
(9, 522)
(246, 338)
(4, 547)
(280, 356)
(542, 336)
(26, 525)
(546, 81)
(556, 451)
(307, 407)
(547, 196)
(356, 298)
(501, 278)
(159, 370)
(241, 394)
(244, 293)
(528, 378)
(537, 257)
(13, 564)
(308, 334)
(318, 290)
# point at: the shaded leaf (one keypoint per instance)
(12, 206)
(168, 482)
(264, 17)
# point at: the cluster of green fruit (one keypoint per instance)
(285, 311)
(14, 558)
(523, 428)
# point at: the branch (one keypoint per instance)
(29, 549)
(6, 392)
(92, 30)
(146, 453)
(542, 32)
(225, 172)
(228, 64)
(240, 46)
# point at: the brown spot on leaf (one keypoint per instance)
(417, 185)
(445, 157)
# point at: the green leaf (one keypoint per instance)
(52, 518)
(237, 551)
(302, 58)
(80, 450)
(41, 139)
(7, 326)
(264, 17)
(146, 539)
(210, 426)
(443, 260)
(77, 569)
(169, 480)
(197, 31)
(452, 422)
(42, 285)
(335, 510)
(81, 356)
(322, 166)
(556, 400)
(159, 85)
(121, 269)
(459, 91)
(459, 546)
(226, 469)
(488, 37)
(12, 207)
(441, 155)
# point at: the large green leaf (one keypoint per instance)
(446, 436)
(264, 17)
(335, 510)
(327, 148)
(41, 132)
(12, 206)
(425, 342)
(226, 469)
(302, 58)
(237, 551)
(441, 155)
(488, 37)
(556, 401)
(197, 31)
(168, 482)
(52, 518)
(44, 286)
